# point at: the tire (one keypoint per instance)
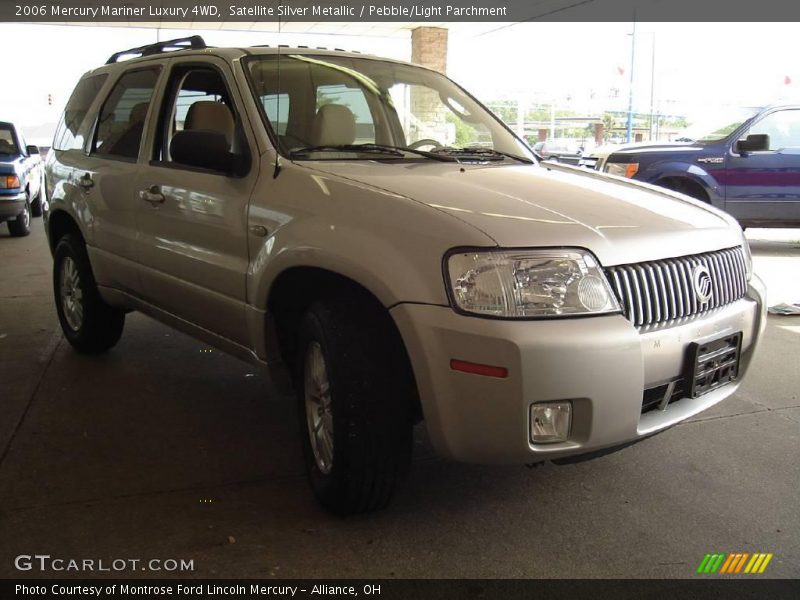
(364, 410)
(21, 225)
(88, 323)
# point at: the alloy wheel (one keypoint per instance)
(71, 294)
(319, 412)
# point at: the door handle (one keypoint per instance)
(86, 182)
(152, 195)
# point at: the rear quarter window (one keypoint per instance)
(69, 135)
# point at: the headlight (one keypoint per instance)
(622, 169)
(529, 283)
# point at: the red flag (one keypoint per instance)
(620, 70)
(787, 80)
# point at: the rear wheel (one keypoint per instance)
(21, 226)
(88, 323)
(355, 391)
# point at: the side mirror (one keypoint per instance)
(757, 142)
(32, 149)
(202, 149)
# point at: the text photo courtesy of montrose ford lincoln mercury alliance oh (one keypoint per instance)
(385, 246)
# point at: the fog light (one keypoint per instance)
(550, 422)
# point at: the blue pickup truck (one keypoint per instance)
(21, 178)
(749, 166)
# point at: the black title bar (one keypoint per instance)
(417, 11)
(707, 588)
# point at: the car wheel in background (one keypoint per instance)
(88, 323)
(37, 206)
(354, 388)
(684, 186)
(21, 226)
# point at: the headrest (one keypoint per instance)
(139, 113)
(210, 116)
(334, 125)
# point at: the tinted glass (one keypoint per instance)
(122, 119)
(68, 135)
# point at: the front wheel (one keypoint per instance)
(355, 390)
(88, 323)
(21, 226)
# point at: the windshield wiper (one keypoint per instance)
(363, 148)
(371, 149)
(478, 152)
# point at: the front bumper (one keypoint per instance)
(11, 205)
(601, 364)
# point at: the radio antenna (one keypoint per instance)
(278, 98)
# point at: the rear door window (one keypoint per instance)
(122, 119)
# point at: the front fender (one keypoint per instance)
(391, 245)
(687, 170)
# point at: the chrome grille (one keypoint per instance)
(662, 291)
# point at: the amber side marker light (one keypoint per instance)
(478, 369)
(11, 182)
(631, 170)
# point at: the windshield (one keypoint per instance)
(8, 143)
(717, 127)
(332, 107)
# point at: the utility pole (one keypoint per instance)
(652, 84)
(630, 89)
(522, 110)
(553, 118)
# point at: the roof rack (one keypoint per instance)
(194, 42)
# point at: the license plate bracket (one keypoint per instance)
(714, 363)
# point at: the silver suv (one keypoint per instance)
(384, 245)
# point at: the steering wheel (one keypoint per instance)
(424, 142)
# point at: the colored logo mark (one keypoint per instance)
(735, 563)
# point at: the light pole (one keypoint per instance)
(652, 84)
(630, 88)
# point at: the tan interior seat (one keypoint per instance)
(334, 125)
(125, 142)
(210, 116)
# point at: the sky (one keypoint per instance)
(699, 68)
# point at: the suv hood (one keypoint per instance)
(620, 221)
(658, 148)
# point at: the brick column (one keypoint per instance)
(598, 133)
(429, 49)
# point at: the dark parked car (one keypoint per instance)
(20, 181)
(750, 167)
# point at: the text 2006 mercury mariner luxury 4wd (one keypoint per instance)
(378, 239)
